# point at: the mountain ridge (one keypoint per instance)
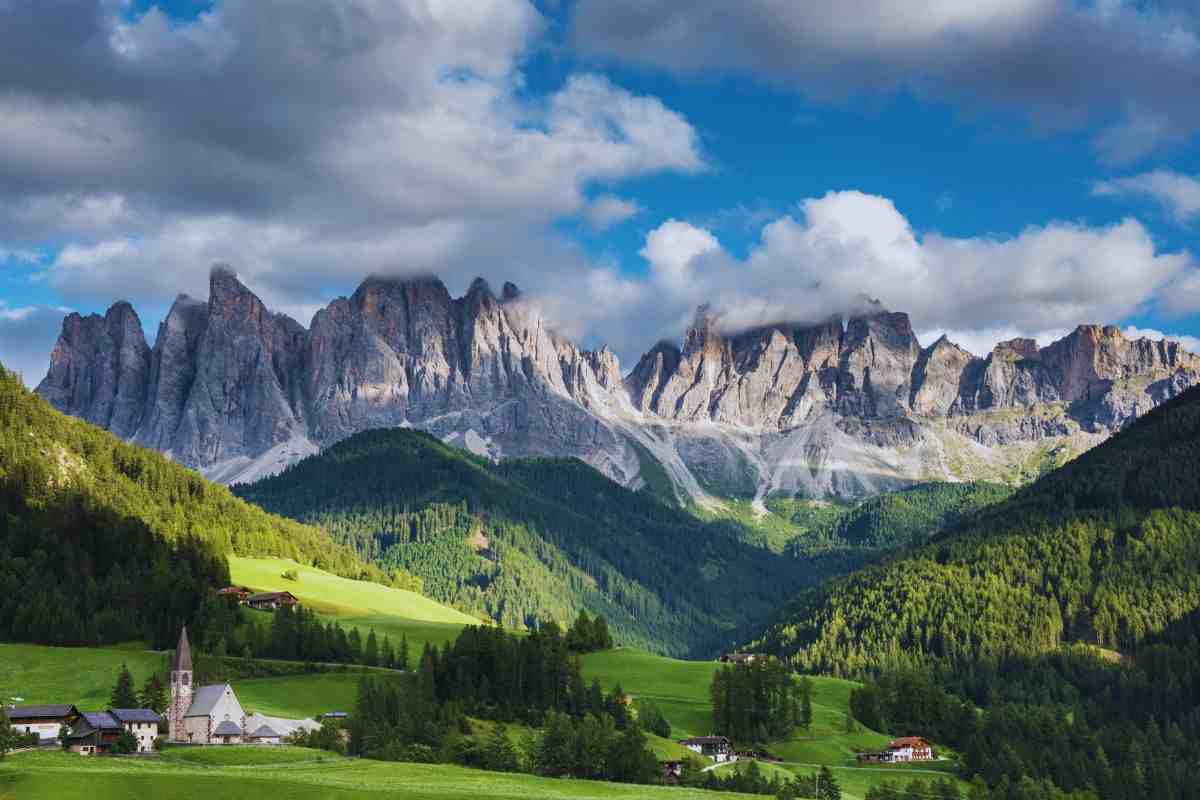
(844, 407)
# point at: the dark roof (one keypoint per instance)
(264, 732)
(271, 596)
(335, 714)
(135, 715)
(101, 720)
(40, 712)
(705, 740)
(228, 728)
(182, 660)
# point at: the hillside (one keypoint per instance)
(102, 541)
(529, 539)
(1104, 550)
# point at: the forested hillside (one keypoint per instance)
(102, 542)
(533, 539)
(1005, 610)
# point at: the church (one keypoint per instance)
(202, 714)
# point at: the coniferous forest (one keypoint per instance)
(1067, 613)
(533, 539)
(103, 542)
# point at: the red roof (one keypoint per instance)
(909, 741)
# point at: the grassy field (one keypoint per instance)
(85, 676)
(69, 777)
(680, 688)
(391, 612)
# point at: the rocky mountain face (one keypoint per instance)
(846, 407)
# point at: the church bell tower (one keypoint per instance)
(181, 689)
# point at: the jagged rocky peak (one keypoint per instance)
(99, 368)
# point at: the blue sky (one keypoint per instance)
(995, 169)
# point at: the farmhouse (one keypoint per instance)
(141, 722)
(201, 714)
(93, 733)
(239, 593)
(45, 721)
(672, 771)
(741, 658)
(717, 748)
(272, 600)
(910, 748)
(264, 734)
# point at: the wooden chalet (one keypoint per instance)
(95, 732)
(44, 720)
(741, 658)
(718, 748)
(672, 771)
(269, 601)
(239, 593)
(910, 748)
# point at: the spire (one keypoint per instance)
(182, 660)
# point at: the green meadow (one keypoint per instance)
(680, 688)
(390, 612)
(230, 775)
(85, 676)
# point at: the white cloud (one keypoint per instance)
(307, 145)
(608, 210)
(843, 247)
(1179, 194)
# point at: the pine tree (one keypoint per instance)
(154, 694)
(123, 694)
(371, 653)
(827, 786)
(6, 733)
(806, 711)
(402, 660)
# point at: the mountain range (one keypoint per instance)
(848, 407)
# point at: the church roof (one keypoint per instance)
(228, 728)
(205, 699)
(182, 660)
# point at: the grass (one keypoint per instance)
(83, 676)
(70, 777)
(245, 756)
(390, 612)
(680, 688)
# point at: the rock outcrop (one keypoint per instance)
(844, 407)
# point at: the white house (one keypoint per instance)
(45, 720)
(717, 748)
(141, 722)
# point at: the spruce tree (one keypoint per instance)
(123, 694)
(154, 694)
(6, 733)
(371, 652)
(806, 711)
(402, 657)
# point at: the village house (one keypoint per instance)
(269, 601)
(239, 593)
(201, 714)
(910, 748)
(717, 748)
(906, 748)
(94, 732)
(45, 720)
(141, 722)
(672, 771)
(741, 658)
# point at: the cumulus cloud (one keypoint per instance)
(307, 144)
(1179, 194)
(1132, 67)
(839, 249)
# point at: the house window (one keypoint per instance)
(185, 679)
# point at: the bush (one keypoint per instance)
(290, 575)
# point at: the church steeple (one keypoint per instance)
(182, 661)
(181, 689)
